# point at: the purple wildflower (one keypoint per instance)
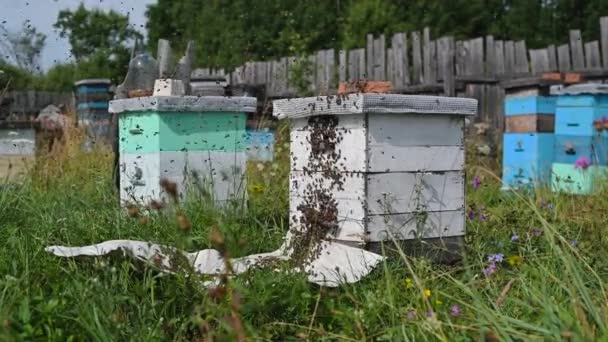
(582, 163)
(455, 310)
(515, 237)
(496, 257)
(476, 182)
(491, 269)
(471, 215)
(538, 232)
(549, 206)
(429, 313)
(573, 243)
(482, 217)
(411, 314)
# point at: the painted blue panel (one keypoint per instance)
(568, 148)
(260, 145)
(530, 105)
(94, 116)
(94, 105)
(576, 120)
(527, 158)
(582, 101)
(92, 89)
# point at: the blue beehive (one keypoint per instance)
(527, 159)
(92, 98)
(580, 133)
(530, 105)
(527, 153)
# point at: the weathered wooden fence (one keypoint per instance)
(416, 63)
(31, 102)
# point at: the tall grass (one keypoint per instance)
(549, 287)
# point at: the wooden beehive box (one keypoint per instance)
(188, 140)
(92, 97)
(370, 168)
(581, 132)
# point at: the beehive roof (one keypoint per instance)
(184, 104)
(373, 103)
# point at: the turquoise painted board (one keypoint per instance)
(93, 105)
(582, 101)
(203, 131)
(147, 132)
(566, 178)
(260, 145)
(530, 105)
(527, 159)
(91, 89)
(576, 120)
(569, 148)
(139, 132)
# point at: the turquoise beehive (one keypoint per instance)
(188, 140)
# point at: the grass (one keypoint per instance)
(547, 288)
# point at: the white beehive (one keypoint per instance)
(367, 168)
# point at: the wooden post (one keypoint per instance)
(604, 39)
(417, 59)
(576, 45)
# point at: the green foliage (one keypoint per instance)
(557, 288)
(89, 31)
(26, 47)
(98, 42)
(237, 31)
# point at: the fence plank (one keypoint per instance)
(311, 73)
(292, 63)
(416, 59)
(426, 55)
(330, 68)
(399, 60)
(434, 62)
(390, 66)
(369, 71)
(490, 65)
(460, 57)
(380, 58)
(576, 46)
(563, 58)
(552, 57)
(477, 58)
(445, 45)
(592, 56)
(320, 80)
(521, 57)
(604, 39)
(539, 61)
(509, 57)
(343, 66)
(353, 65)
(362, 63)
(500, 57)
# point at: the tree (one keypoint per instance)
(23, 48)
(98, 41)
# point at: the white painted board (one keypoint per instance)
(404, 192)
(411, 225)
(350, 201)
(351, 149)
(415, 130)
(392, 158)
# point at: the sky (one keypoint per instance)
(43, 14)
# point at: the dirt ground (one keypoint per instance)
(13, 168)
